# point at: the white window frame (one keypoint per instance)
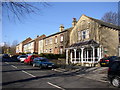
(85, 34)
(50, 40)
(46, 50)
(61, 50)
(61, 38)
(56, 40)
(46, 42)
(79, 35)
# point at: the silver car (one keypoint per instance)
(22, 58)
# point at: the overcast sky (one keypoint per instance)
(51, 17)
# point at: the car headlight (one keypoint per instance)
(53, 64)
(44, 64)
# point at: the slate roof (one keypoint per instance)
(105, 23)
(90, 42)
(59, 32)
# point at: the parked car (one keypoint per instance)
(107, 60)
(30, 58)
(114, 73)
(5, 56)
(14, 58)
(42, 62)
(22, 58)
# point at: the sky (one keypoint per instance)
(49, 19)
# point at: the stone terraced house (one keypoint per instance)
(85, 43)
(90, 40)
(56, 43)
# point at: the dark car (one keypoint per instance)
(107, 60)
(5, 56)
(114, 73)
(14, 58)
(42, 62)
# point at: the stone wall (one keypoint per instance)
(109, 40)
(56, 46)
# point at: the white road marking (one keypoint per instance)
(28, 73)
(13, 66)
(81, 75)
(57, 70)
(6, 62)
(21, 70)
(55, 86)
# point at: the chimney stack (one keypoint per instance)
(37, 36)
(61, 27)
(74, 22)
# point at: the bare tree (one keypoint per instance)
(110, 17)
(21, 9)
(13, 47)
(5, 48)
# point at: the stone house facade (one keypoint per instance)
(86, 42)
(56, 43)
(90, 40)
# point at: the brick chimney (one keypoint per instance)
(61, 28)
(74, 22)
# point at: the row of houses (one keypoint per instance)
(85, 42)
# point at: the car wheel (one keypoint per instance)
(29, 63)
(33, 64)
(25, 63)
(116, 82)
(40, 67)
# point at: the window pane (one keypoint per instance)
(79, 35)
(61, 38)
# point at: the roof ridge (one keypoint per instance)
(58, 32)
(103, 22)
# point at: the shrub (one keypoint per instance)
(52, 56)
(62, 56)
(28, 52)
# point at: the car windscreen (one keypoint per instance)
(114, 65)
(110, 57)
(114, 58)
(23, 56)
(44, 60)
(106, 58)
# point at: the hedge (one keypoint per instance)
(52, 56)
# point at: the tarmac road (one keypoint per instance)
(19, 75)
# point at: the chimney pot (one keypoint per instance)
(37, 35)
(61, 27)
(74, 22)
